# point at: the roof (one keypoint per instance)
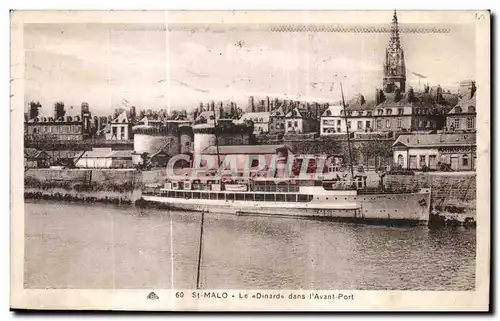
(256, 117)
(121, 119)
(464, 104)
(277, 112)
(243, 149)
(208, 114)
(332, 110)
(436, 140)
(107, 153)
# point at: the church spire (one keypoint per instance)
(394, 40)
(394, 65)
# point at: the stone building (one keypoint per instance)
(260, 121)
(64, 125)
(463, 115)
(396, 109)
(455, 151)
(300, 121)
(121, 128)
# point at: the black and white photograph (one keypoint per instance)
(262, 160)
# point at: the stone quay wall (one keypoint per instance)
(452, 188)
(100, 177)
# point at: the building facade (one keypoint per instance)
(463, 115)
(436, 151)
(300, 121)
(120, 128)
(260, 121)
(277, 121)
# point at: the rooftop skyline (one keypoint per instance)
(122, 65)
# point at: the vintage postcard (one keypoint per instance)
(250, 160)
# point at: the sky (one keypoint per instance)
(147, 66)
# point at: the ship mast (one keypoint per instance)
(199, 252)
(216, 139)
(347, 131)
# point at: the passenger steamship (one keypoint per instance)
(319, 199)
(327, 198)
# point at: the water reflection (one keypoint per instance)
(77, 246)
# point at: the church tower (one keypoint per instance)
(394, 65)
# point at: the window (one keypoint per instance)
(422, 161)
(368, 113)
(388, 123)
(289, 123)
(349, 124)
(457, 123)
(465, 160)
(360, 124)
(380, 112)
(458, 110)
(401, 111)
(368, 124)
(338, 122)
(470, 123)
(328, 113)
(388, 111)
(379, 123)
(360, 113)
(399, 123)
(471, 109)
(295, 123)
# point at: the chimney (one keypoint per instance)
(251, 105)
(266, 104)
(59, 110)
(472, 89)
(381, 96)
(200, 108)
(221, 110)
(377, 97)
(212, 105)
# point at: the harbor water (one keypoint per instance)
(103, 246)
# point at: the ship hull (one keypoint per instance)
(393, 209)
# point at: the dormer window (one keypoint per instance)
(471, 109)
(388, 111)
(368, 113)
(458, 110)
(380, 112)
(401, 111)
(349, 113)
(360, 113)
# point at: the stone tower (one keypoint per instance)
(394, 65)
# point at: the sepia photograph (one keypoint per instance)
(250, 160)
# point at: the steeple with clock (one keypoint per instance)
(394, 65)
